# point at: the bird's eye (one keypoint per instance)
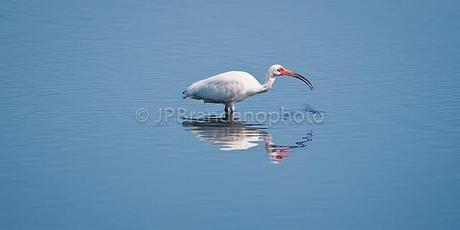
(279, 70)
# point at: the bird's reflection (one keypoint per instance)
(238, 135)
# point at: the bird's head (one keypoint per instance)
(278, 71)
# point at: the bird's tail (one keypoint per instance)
(185, 94)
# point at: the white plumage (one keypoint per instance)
(228, 87)
(234, 86)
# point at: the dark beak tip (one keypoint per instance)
(306, 81)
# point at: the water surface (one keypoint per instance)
(73, 75)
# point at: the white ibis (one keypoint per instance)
(234, 86)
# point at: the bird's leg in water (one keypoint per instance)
(229, 111)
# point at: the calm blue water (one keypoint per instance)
(74, 73)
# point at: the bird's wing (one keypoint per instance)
(218, 90)
(222, 88)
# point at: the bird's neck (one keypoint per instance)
(269, 80)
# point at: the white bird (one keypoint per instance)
(234, 86)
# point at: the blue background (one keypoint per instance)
(73, 74)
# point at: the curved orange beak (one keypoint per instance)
(298, 76)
